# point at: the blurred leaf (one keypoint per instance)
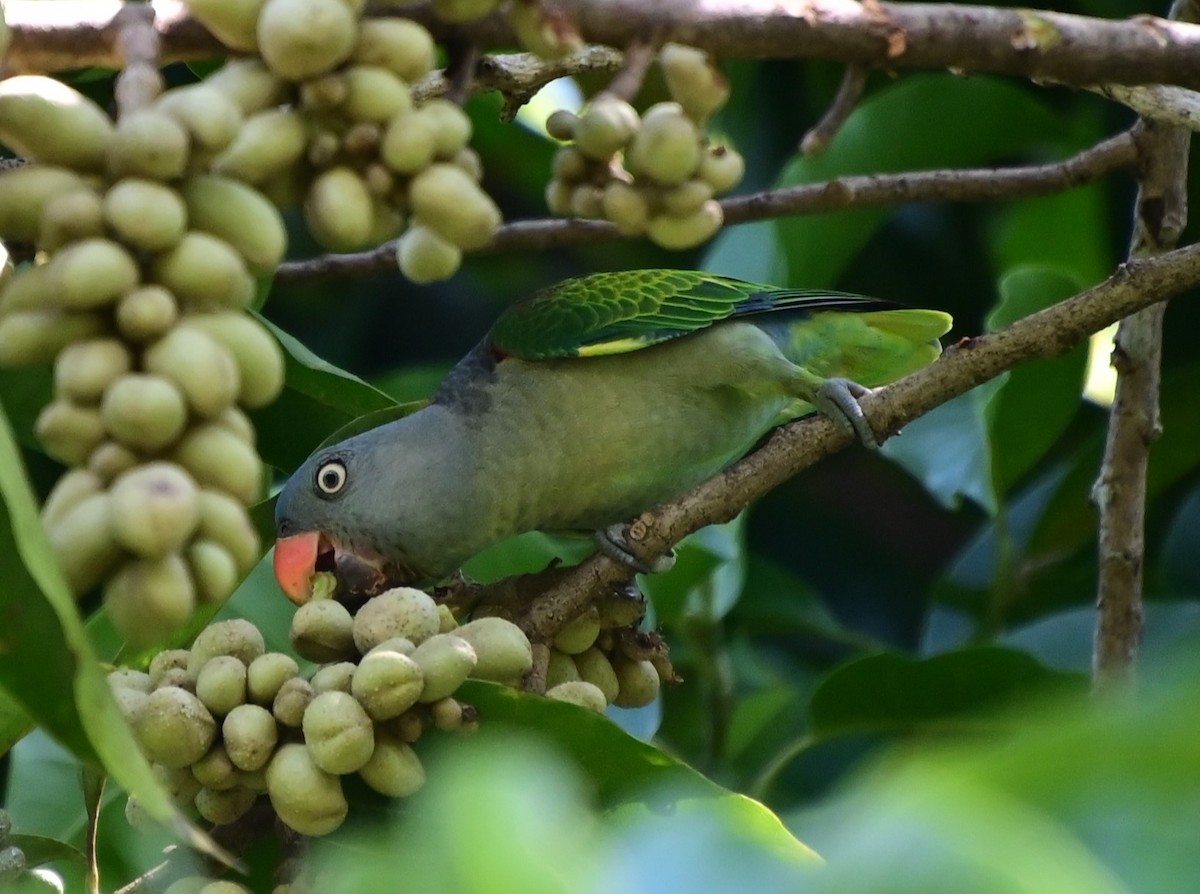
(1003, 119)
(894, 693)
(707, 579)
(39, 849)
(1046, 389)
(317, 400)
(46, 661)
(14, 722)
(26, 391)
(1068, 232)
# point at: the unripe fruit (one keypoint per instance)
(387, 684)
(92, 273)
(69, 217)
(687, 197)
(215, 771)
(638, 680)
(446, 661)
(541, 31)
(594, 667)
(301, 39)
(30, 288)
(451, 126)
(334, 677)
(462, 10)
(558, 195)
(266, 675)
(110, 459)
(423, 256)
(338, 732)
(560, 669)
(148, 600)
(291, 701)
(221, 685)
(394, 769)
(667, 147)
(322, 631)
(234, 22)
(213, 569)
(626, 207)
(155, 509)
(338, 210)
(374, 93)
(562, 124)
(250, 734)
(223, 808)
(223, 520)
(587, 201)
(504, 652)
(409, 142)
(237, 423)
(401, 611)
(238, 638)
(208, 115)
(36, 336)
(239, 215)
(400, 45)
(146, 412)
(166, 661)
(178, 676)
(684, 232)
(199, 366)
(68, 492)
(579, 692)
(205, 271)
(409, 726)
(447, 714)
(448, 201)
(248, 82)
(269, 142)
(307, 798)
(604, 129)
(259, 358)
(68, 431)
(24, 193)
(218, 458)
(146, 313)
(145, 214)
(400, 644)
(129, 701)
(148, 143)
(84, 369)
(722, 168)
(579, 634)
(46, 121)
(173, 728)
(446, 620)
(693, 81)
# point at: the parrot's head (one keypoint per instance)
(330, 516)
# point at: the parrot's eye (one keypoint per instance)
(331, 477)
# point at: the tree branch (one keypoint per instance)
(872, 190)
(1120, 491)
(849, 92)
(1139, 283)
(1041, 45)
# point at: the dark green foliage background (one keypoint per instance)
(870, 651)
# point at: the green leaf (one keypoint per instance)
(904, 127)
(39, 850)
(46, 661)
(892, 693)
(317, 400)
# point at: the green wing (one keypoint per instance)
(614, 313)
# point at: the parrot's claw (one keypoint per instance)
(838, 400)
(613, 541)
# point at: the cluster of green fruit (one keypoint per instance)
(16, 877)
(227, 721)
(655, 173)
(198, 884)
(343, 136)
(144, 267)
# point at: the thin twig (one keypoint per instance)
(1120, 490)
(1137, 284)
(460, 73)
(849, 92)
(628, 81)
(965, 185)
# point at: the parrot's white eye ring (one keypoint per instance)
(331, 477)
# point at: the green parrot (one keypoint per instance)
(585, 405)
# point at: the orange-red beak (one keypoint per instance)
(295, 564)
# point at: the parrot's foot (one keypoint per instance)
(838, 400)
(613, 541)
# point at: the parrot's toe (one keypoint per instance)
(838, 400)
(613, 541)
